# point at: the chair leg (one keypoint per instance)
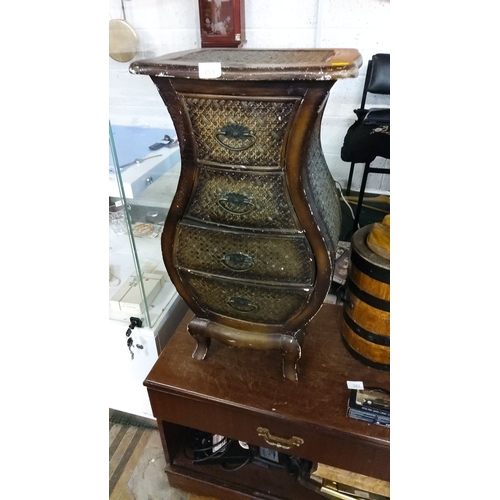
(366, 171)
(349, 180)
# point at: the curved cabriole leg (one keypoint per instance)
(197, 330)
(290, 354)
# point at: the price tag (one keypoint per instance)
(355, 384)
(209, 70)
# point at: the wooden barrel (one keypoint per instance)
(366, 315)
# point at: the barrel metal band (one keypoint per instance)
(374, 338)
(366, 361)
(370, 269)
(383, 305)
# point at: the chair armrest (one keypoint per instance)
(377, 116)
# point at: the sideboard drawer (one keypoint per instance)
(301, 439)
(238, 131)
(242, 199)
(246, 301)
(261, 257)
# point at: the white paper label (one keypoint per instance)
(355, 384)
(209, 70)
(218, 442)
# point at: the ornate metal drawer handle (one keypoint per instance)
(236, 203)
(277, 441)
(239, 262)
(241, 304)
(235, 131)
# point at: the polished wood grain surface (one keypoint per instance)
(253, 379)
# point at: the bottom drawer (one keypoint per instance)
(245, 301)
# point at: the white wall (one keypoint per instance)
(165, 26)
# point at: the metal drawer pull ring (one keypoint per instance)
(236, 203)
(238, 132)
(238, 262)
(241, 304)
(277, 441)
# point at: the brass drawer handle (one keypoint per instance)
(241, 304)
(235, 131)
(277, 441)
(238, 262)
(236, 203)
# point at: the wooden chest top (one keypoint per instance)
(256, 64)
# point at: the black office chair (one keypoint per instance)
(369, 136)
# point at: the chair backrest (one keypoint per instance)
(378, 76)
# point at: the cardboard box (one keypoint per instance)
(370, 406)
(350, 483)
(128, 298)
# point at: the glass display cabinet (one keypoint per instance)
(144, 307)
(143, 169)
(141, 181)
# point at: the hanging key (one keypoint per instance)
(130, 343)
(133, 323)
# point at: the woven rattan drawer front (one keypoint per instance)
(240, 131)
(242, 199)
(245, 301)
(262, 257)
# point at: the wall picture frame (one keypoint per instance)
(222, 23)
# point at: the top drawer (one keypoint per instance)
(300, 439)
(242, 199)
(236, 131)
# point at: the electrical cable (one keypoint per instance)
(219, 453)
(223, 440)
(192, 448)
(238, 467)
(345, 201)
(293, 465)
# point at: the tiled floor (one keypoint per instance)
(136, 466)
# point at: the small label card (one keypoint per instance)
(355, 384)
(209, 70)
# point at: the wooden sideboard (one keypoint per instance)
(235, 391)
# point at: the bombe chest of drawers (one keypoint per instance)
(249, 241)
